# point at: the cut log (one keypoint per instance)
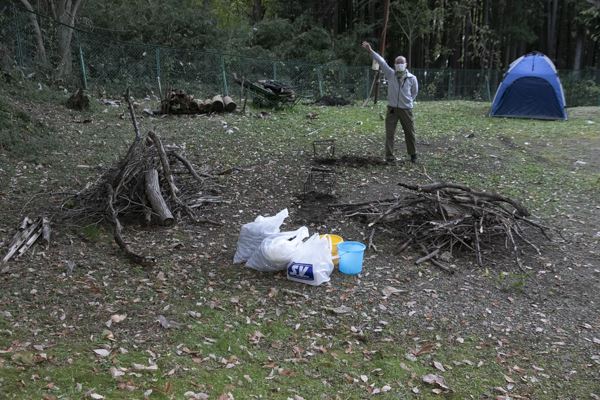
(230, 105)
(193, 106)
(217, 104)
(165, 163)
(156, 200)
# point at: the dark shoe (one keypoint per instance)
(392, 161)
(413, 158)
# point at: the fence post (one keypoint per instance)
(82, 65)
(18, 37)
(320, 79)
(224, 76)
(367, 80)
(157, 57)
(274, 70)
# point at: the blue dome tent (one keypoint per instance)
(530, 89)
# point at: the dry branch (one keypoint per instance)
(447, 218)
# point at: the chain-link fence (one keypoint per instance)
(103, 64)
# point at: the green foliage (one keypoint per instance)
(581, 92)
(313, 45)
(272, 33)
(183, 24)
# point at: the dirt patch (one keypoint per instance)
(68, 291)
(352, 161)
(314, 207)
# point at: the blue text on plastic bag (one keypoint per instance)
(301, 271)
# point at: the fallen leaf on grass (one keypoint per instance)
(141, 367)
(256, 337)
(129, 386)
(115, 319)
(390, 290)
(165, 323)
(341, 309)
(426, 348)
(102, 352)
(439, 366)
(96, 396)
(437, 380)
(195, 396)
(115, 373)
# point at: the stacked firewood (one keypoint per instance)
(179, 102)
(441, 219)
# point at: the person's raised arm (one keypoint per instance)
(387, 70)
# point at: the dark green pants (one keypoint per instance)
(407, 121)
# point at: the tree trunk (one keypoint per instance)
(386, 18)
(551, 21)
(67, 11)
(258, 11)
(579, 44)
(39, 39)
(156, 199)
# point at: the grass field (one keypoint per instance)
(231, 332)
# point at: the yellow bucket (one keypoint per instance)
(334, 240)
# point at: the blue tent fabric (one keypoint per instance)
(530, 89)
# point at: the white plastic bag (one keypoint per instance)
(276, 250)
(253, 233)
(311, 262)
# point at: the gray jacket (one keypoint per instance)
(402, 92)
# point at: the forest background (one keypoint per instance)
(456, 35)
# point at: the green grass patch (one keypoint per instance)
(22, 137)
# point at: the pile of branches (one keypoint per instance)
(179, 102)
(143, 184)
(278, 88)
(441, 219)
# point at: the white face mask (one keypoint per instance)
(400, 67)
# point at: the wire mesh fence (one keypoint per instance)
(103, 64)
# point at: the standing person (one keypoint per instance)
(402, 91)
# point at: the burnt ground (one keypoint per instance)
(550, 314)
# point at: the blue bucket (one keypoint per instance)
(351, 257)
